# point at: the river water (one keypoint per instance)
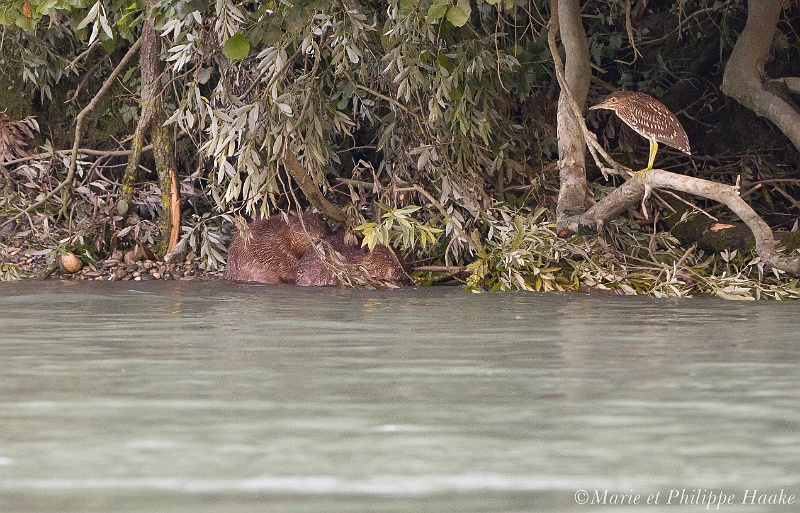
(213, 396)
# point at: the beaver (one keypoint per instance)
(380, 268)
(274, 248)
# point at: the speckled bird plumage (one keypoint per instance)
(648, 117)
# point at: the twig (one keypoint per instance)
(390, 100)
(74, 62)
(629, 30)
(274, 77)
(85, 151)
(692, 206)
(86, 78)
(357, 183)
(440, 268)
(679, 28)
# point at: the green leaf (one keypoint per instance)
(465, 6)
(273, 35)
(108, 45)
(457, 16)
(295, 20)
(236, 47)
(436, 12)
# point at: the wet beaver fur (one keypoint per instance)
(381, 267)
(274, 248)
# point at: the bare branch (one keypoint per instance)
(729, 196)
(631, 192)
(310, 189)
(81, 151)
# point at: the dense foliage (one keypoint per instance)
(430, 121)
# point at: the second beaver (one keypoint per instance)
(274, 248)
(380, 267)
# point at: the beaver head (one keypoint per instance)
(379, 267)
(273, 248)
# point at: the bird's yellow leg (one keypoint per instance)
(639, 175)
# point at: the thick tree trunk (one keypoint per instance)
(148, 63)
(151, 119)
(744, 78)
(572, 197)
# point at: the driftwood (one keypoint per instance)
(634, 191)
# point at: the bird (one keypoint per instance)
(649, 118)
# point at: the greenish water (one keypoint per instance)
(212, 396)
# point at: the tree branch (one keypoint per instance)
(63, 153)
(729, 196)
(631, 192)
(310, 189)
(791, 83)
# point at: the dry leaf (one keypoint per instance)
(715, 227)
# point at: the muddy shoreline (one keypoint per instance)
(29, 263)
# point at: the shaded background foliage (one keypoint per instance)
(442, 104)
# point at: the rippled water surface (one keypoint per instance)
(211, 396)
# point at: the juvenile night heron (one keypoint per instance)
(649, 118)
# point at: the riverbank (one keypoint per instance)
(31, 263)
